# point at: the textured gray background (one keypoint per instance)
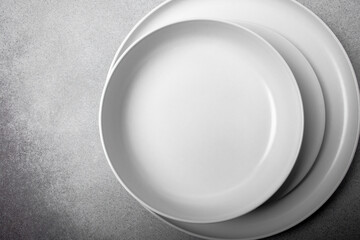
(54, 180)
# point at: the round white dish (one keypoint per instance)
(202, 121)
(337, 79)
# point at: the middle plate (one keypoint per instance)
(202, 121)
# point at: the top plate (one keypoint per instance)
(340, 88)
(202, 121)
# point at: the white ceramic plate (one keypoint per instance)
(337, 79)
(202, 121)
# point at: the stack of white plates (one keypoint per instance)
(230, 119)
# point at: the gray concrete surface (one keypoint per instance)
(54, 180)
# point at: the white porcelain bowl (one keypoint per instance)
(202, 121)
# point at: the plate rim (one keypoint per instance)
(252, 26)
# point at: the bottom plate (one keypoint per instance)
(340, 88)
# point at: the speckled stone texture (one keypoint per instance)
(54, 180)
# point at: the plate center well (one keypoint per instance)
(199, 118)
